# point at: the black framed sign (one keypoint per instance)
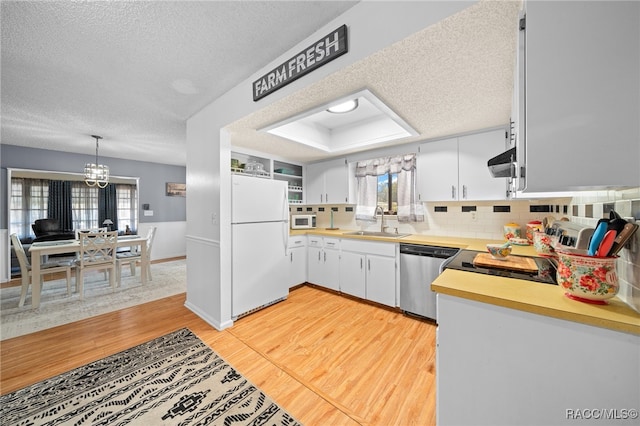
(319, 53)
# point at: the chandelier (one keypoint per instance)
(94, 173)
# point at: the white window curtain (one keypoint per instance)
(409, 209)
(367, 172)
(367, 197)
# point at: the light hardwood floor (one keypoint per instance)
(325, 358)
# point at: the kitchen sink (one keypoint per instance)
(376, 234)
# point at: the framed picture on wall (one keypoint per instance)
(176, 189)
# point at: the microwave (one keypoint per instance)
(303, 221)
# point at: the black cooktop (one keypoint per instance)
(463, 261)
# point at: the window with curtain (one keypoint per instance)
(27, 192)
(375, 186)
(127, 197)
(75, 204)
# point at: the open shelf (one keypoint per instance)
(272, 169)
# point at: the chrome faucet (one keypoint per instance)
(382, 217)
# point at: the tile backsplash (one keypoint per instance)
(485, 220)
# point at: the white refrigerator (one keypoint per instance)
(260, 234)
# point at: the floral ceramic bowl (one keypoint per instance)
(543, 244)
(499, 251)
(587, 278)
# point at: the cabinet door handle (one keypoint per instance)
(360, 263)
(321, 198)
(464, 191)
(325, 256)
(453, 192)
(369, 264)
(291, 256)
(318, 256)
(326, 198)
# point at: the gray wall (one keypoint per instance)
(153, 177)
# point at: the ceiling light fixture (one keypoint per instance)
(95, 173)
(344, 107)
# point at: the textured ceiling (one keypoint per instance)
(133, 72)
(453, 77)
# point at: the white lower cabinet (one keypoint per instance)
(502, 366)
(324, 262)
(368, 270)
(381, 279)
(315, 264)
(363, 269)
(297, 273)
(352, 274)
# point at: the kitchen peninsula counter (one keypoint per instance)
(526, 296)
(536, 298)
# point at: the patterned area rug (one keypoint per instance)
(172, 380)
(56, 308)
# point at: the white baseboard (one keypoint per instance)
(211, 321)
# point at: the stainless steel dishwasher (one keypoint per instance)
(419, 266)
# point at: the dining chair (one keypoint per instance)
(78, 231)
(97, 252)
(46, 268)
(135, 255)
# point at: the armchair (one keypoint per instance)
(49, 230)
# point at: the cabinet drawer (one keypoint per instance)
(297, 241)
(314, 241)
(369, 247)
(332, 243)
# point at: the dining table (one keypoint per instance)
(44, 248)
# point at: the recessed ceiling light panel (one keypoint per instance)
(368, 123)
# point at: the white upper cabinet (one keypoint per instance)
(581, 89)
(455, 169)
(314, 179)
(474, 179)
(437, 170)
(327, 182)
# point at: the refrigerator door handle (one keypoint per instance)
(285, 218)
(285, 236)
(285, 206)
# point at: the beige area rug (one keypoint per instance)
(56, 308)
(173, 380)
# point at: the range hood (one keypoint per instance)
(503, 165)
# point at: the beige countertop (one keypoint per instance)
(522, 295)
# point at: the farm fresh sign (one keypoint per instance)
(321, 52)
